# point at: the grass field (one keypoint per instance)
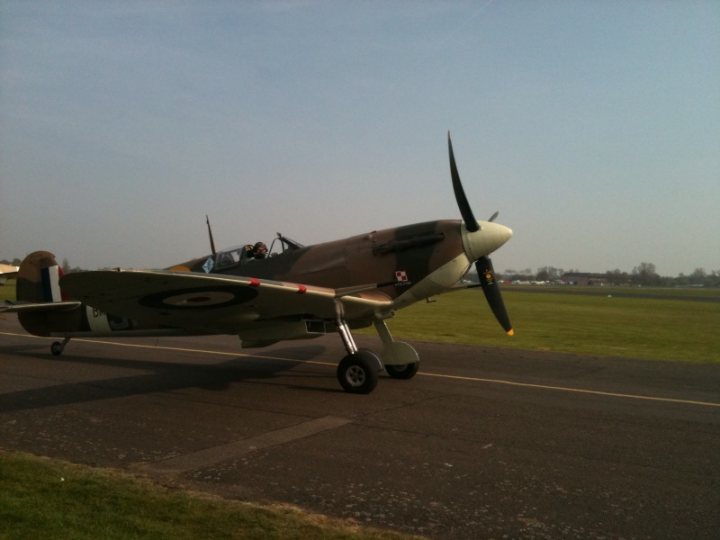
(666, 328)
(7, 291)
(42, 498)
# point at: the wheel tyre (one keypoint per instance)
(403, 371)
(358, 373)
(56, 348)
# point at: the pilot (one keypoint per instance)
(248, 251)
(260, 250)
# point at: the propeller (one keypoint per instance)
(479, 241)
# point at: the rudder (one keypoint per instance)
(38, 279)
(41, 308)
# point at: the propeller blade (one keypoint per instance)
(490, 287)
(494, 216)
(466, 212)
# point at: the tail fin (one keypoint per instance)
(38, 278)
(40, 307)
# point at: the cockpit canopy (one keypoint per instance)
(238, 255)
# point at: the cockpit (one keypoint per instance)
(250, 253)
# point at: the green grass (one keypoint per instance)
(7, 291)
(42, 498)
(663, 329)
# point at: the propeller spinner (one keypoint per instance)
(479, 241)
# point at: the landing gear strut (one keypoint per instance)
(58, 347)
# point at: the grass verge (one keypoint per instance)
(44, 498)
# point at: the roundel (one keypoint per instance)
(199, 298)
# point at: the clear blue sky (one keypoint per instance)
(594, 127)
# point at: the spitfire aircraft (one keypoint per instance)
(263, 296)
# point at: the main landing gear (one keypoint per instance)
(403, 371)
(58, 347)
(358, 371)
(401, 360)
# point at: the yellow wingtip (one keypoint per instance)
(511, 332)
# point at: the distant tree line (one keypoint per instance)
(67, 269)
(645, 275)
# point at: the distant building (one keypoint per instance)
(584, 279)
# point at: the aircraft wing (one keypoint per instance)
(214, 303)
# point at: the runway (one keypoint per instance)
(482, 442)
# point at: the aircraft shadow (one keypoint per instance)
(161, 377)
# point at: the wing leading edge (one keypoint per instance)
(39, 307)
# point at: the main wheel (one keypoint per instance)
(403, 371)
(358, 373)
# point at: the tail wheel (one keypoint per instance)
(358, 372)
(56, 348)
(403, 371)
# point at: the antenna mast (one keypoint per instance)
(212, 242)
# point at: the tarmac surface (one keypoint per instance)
(482, 443)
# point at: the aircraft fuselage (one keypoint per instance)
(395, 259)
